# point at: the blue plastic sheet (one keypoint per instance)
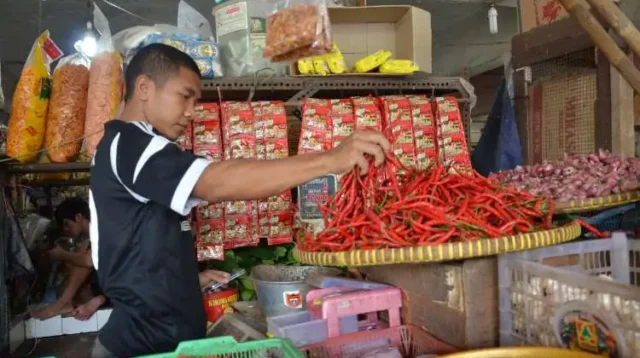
(499, 146)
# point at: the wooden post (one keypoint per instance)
(623, 136)
(604, 42)
(619, 22)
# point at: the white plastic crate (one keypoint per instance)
(538, 287)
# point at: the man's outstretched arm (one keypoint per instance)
(256, 179)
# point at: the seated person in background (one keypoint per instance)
(72, 216)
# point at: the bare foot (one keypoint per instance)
(87, 310)
(54, 309)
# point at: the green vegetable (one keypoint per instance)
(247, 283)
(247, 295)
(281, 251)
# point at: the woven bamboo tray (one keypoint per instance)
(594, 204)
(440, 253)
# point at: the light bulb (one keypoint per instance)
(88, 45)
(493, 20)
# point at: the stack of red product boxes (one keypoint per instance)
(315, 134)
(396, 111)
(239, 142)
(209, 217)
(452, 142)
(367, 113)
(185, 141)
(424, 132)
(343, 120)
(275, 213)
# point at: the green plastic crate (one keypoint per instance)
(228, 347)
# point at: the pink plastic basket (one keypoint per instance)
(411, 341)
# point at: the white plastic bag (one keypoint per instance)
(189, 19)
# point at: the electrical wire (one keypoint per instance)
(118, 7)
(51, 147)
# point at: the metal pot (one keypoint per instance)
(282, 289)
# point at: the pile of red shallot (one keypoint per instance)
(577, 177)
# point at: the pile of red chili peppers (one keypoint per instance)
(422, 208)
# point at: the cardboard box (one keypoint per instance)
(535, 13)
(404, 30)
(456, 302)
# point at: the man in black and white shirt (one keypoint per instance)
(143, 185)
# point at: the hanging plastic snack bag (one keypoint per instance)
(1, 93)
(29, 107)
(106, 84)
(67, 108)
(297, 29)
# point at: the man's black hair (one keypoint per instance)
(70, 208)
(158, 62)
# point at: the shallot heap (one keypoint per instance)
(576, 177)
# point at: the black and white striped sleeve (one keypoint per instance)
(152, 168)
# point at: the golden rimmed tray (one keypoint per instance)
(440, 253)
(599, 203)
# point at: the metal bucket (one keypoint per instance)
(282, 289)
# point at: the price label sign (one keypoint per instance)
(314, 192)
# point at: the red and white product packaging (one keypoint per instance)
(453, 151)
(210, 239)
(424, 132)
(398, 124)
(367, 113)
(239, 142)
(209, 218)
(272, 143)
(315, 133)
(343, 120)
(185, 141)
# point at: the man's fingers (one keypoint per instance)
(374, 137)
(373, 150)
(363, 163)
(217, 276)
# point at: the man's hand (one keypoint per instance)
(352, 151)
(209, 276)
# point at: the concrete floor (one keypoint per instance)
(69, 346)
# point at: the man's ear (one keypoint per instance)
(78, 218)
(144, 88)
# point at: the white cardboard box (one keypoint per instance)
(17, 336)
(48, 328)
(103, 316)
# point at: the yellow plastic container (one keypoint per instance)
(305, 66)
(398, 67)
(521, 352)
(373, 61)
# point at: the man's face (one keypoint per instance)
(72, 228)
(170, 107)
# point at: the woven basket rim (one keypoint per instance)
(441, 253)
(598, 203)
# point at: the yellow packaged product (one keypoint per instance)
(305, 66)
(373, 61)
(25, 133)
(399, 67)
(336, 63)
(320, 66)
